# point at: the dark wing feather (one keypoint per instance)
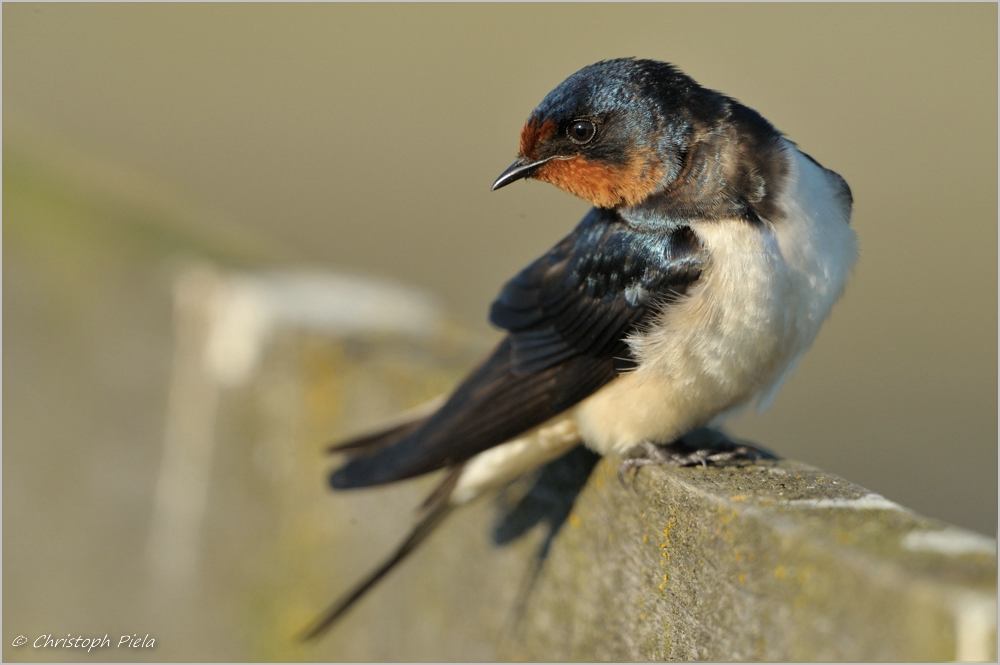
(401, 426)
(378, 439)
(569, 314)
(573, 302)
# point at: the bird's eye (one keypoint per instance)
(581, 131)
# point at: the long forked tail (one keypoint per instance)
(435, 510)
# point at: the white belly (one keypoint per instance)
(736, 336)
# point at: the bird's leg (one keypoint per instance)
(702, 446)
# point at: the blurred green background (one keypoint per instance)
(364, 139)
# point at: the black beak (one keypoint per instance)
(522, 168)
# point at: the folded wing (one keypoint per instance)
(568, 314)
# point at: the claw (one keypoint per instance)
(678, 453)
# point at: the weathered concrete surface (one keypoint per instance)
(775, 561)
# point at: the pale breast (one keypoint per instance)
(740, 332)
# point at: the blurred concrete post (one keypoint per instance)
(185, 469)
(223, 322)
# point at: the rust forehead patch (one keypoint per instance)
(533, 133)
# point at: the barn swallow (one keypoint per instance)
(713, 253)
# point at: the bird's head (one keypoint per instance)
(613, 133)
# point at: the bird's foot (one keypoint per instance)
(701, 447)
